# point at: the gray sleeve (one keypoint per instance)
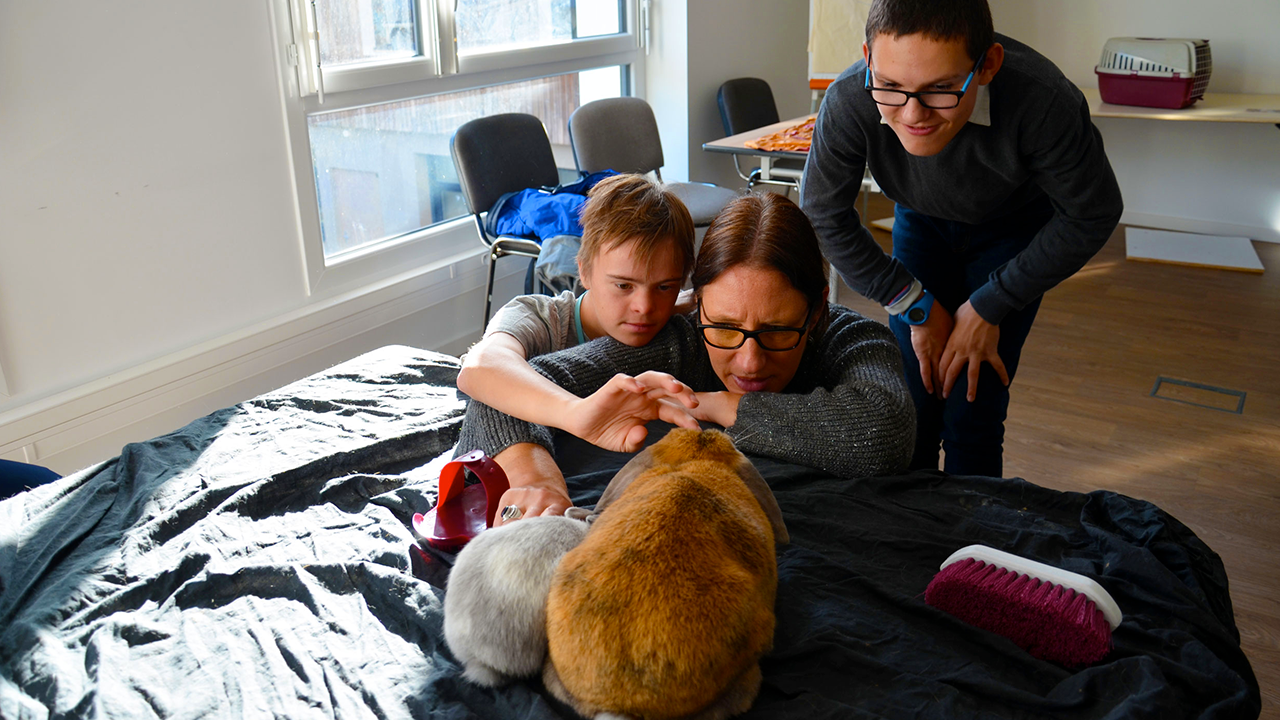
(829, 196)
(1068, 162)
(484, 428)
(858, 421)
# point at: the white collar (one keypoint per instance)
(982, 107)
(981, 114)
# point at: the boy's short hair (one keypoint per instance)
(633, 208)
(967, 20)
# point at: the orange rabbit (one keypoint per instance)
(665, 608)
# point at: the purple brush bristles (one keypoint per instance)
(1049, 621)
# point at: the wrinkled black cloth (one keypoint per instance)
(259, 563)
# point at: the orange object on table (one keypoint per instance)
(796, 138)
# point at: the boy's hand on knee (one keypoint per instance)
(928, 340)
(972, 342)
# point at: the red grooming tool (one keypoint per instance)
(463, 511)
(1053, 614)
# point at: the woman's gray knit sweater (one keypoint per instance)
(847, 410)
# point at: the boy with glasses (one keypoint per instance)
(1002, 191)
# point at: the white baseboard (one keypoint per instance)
(434, 308)
(1199, 227)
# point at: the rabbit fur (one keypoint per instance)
(665, 608)
(495, 601)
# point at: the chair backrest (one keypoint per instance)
(616, 134)
(498, 154)
(746, 104)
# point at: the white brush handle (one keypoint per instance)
(1081, 584)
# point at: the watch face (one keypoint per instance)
(915, 316)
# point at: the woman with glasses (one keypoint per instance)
(786, 374)
(1002, 191)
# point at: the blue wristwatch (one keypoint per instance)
(918, 312)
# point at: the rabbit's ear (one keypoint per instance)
(583, 514)
(758, 487)
(620, 482)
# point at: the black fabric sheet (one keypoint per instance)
(257, 563)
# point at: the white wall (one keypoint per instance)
(1216, 178)
(151, 267)
(667, 82)
(709, 42)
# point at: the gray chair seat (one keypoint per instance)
(621, 134)
(704, 201)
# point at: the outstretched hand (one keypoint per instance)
(537, 485)
(720, 407)
(972, 342)
(533, 501)
(614, 416)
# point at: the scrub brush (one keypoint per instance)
(1051, 613)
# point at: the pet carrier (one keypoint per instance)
(1154, 72)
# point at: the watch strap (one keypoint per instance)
(918, 312)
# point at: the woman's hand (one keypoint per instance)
(614, 416)
(537, 485)
(720, 408)
(972, 342)
(533, 501)
(929, 340)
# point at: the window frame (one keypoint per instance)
(356, 85)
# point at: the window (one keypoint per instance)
(375, 89)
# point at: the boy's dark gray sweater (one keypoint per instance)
(846, 411)
(1041, 141)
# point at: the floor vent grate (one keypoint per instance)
(1198, 394)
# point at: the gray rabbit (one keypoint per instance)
(495, 605)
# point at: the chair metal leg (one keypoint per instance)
(738, 166)
(530, 278)
(488, 290)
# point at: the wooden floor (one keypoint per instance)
(1082, 416)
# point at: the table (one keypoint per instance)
(736, 145)
(1213, 107)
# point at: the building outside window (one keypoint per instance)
(375, 89)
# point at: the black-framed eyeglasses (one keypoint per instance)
(774, 339)
(934, 99)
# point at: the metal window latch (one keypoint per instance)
(644, 25)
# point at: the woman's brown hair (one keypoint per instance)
(765, 230)
(633, 208)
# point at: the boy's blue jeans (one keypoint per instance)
(952, 260)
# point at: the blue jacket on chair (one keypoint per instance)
(541, 213)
